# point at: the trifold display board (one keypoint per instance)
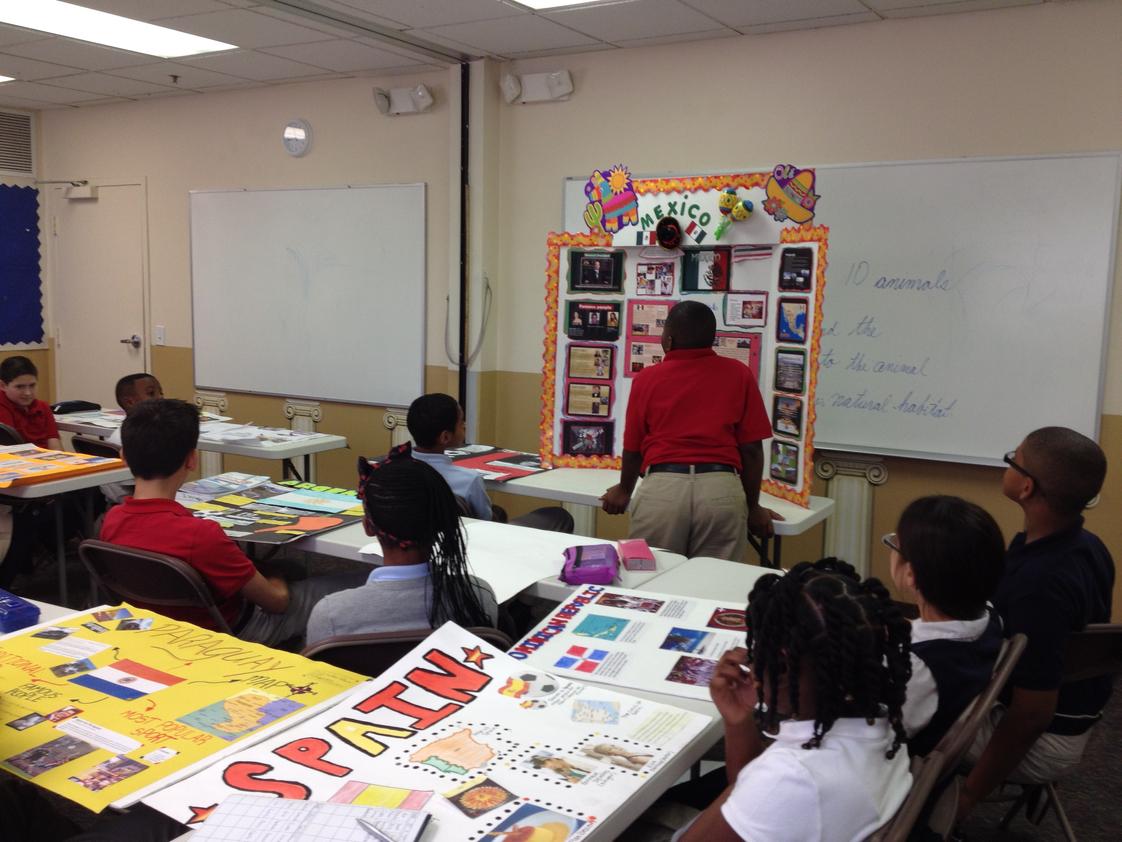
(608, 293)
(311, 292)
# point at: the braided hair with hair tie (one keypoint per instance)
(407, 504)
(855, 636)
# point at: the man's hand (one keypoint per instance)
(759, 521)
(615, 500)
(733, 688)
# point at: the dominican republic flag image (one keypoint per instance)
(126, 680)
(582, 659)
(696, 232)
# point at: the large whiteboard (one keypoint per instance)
(967, 303)
(312, 293)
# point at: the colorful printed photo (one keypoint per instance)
(479, 796)
(693, 671)
(571, 771)
(730, 619)
(785, 462)
(51, 755)
(796, 270)
(601, 627)
(72, 668)
(530, 823)
(595, 271)
(587, 438)
(595, 712)
(655, 278)
(25, 722)
(790, 326)
(631, 602)
(790, 371)
(114, 770)
(591, 362)
(685, 640)
(787, 416)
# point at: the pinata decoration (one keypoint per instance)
(612, 203)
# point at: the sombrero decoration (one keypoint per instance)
(790, 194)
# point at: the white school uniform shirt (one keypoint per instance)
(839, 792)
(922, 694)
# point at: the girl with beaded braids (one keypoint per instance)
(826, 667)
(424, 578)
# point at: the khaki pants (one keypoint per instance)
(1051, 757)
(692, 514)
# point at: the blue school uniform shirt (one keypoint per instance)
(464, 482)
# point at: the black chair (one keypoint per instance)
(95, 446)
(9, 436)
(149, 578)
(371, 654)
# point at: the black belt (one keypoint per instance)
(696, 468)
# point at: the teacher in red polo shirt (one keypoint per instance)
(20, 409)
(695, 428)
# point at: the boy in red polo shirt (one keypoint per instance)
(159, 438)
(20, 409)
(695, 425)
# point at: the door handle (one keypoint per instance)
(133, 340)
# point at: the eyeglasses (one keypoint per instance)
(1009, 460)
(889, 540)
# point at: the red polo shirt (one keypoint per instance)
(164, 526)
(694, 406)
(36, 423)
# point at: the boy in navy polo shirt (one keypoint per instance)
(1058, 578)
(695, 425)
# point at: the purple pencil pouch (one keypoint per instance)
(592, 564)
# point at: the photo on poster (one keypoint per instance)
(601, 627)
(796, 270)
(50, 755)
(478, 796)
(642, 355)
(595, 711)
(25, 722)
(531, 822)
(787, 416)
(655, 278)
(790, 371)
(587, 438)
(706, 269)
(595, 271)
(588, 399)
(742, 347)
(593, 320)
(582, 659)
(554, 765)
(591, 362)
(746, 309)
(790, 322)
(646, 319)
(785, 462)
(107, 773)
(72, 668)
(730, 619)
(629, 757)
(631, 602)
(693, 671)
(686, 640)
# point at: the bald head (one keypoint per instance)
(690, 324)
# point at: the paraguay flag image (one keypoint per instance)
(126, 680)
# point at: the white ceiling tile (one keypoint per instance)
(77, 54)
(259, 67)
(743, 13)
(634, 19)
(245, 28)
(21, 102)
(317, 24)
(812, 23)
(109, 100)
(510, 35)
(19, 35)
(947, 7)
(106, 85)
(28, 69)
(343, 56)
(415, 14)
(685, 36)
(46, 93)
(152, 9)
(354, 10)
(191, 78)
(450, 44)
(564, 51)
(930, 7)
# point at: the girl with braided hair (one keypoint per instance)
(424, 578)
(826, 667)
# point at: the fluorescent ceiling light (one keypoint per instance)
(4, 79)
(103, 28)
(538, 5)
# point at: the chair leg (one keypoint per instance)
(1011, 814)
(1054, 800)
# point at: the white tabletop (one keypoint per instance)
(50, 487)
(49, 612)
(708, 578)
(584, 486)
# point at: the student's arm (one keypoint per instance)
(734, 693)
(1026, 719)
(711, 826)
(751, 474)
(478, 501)
(54, 444)
(271, 593)
(616, 498)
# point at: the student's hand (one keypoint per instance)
(732, 689)
(759, 521)
(615, 500)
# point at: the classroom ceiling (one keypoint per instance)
(283, 41)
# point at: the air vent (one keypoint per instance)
(16, 144)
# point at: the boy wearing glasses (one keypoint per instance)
(1058, 578)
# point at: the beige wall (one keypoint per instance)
(1020, 81)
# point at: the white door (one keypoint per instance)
(98, 292)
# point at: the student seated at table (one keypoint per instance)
(1058, 578)
(131, 390)
(436, 422)
(424, 579)
(826, 666)
(159, 445)
(947, 555)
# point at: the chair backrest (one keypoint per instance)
(8, 435)
(373, 653)
(960, 736)
(149, 578)
(926, 772)
(95, 447)
(1093, 652)
(462, 503)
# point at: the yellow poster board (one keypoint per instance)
(104, 704)
(26, 464)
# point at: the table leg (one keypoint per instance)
(778, 550)
(60, 552)
(584, 518)
(289, 470)
(760, 546)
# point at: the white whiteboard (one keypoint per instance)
(998, 324)
(312, 293)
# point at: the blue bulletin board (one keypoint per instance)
(21, 298)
